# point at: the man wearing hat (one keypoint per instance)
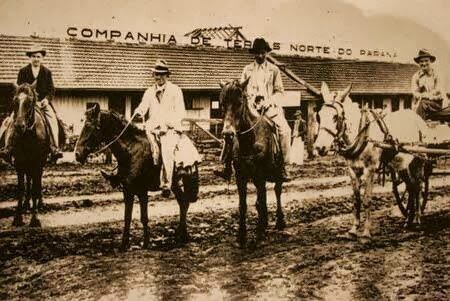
(165, 106)
(265, 90)
(37, 73)
(428, 94)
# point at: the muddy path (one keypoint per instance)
(311, 259)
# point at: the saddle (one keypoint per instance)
(186, 155)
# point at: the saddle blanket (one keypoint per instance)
(186, 153)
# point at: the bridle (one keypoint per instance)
(244, 108)
(339, 135)
(97, 128)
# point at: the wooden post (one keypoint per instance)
(311, 130)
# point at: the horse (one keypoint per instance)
(136, 168)
(249, 137)
(353, 132)
(31, 148)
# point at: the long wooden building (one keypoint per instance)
(115, 75)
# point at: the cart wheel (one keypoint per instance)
(401, 197)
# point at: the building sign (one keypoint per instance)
(286, 48)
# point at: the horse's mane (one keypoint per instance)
(119, 117)
(25, 88)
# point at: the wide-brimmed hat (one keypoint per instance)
(161, 67)
(424, 53)
(260, 45)
(36, 48)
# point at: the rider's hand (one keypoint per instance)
(44, 102)
(267, 105)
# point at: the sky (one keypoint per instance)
(401, 27)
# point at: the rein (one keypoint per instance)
(353, 149)
(117, 137)
(261, 117)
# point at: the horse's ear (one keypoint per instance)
(324, 89)
(346, 92)
(244, 84)
(222, 83)
(96, 109)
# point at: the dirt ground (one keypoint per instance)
(75, 255)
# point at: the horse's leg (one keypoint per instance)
(128, 199)
(242, 190)
(36, 195)
(27, 205)
(143, 201)
(367, 183)
(417, 177)
(281, 224)
(356, 185)
(182, 234)
(18, 221)
(261, 207)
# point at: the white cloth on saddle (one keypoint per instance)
(186, 154)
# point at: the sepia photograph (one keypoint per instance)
(224, 150)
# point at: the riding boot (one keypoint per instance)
(113, 179)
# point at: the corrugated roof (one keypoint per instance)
(86, 64)
(366, 76)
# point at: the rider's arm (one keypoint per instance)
(178, 111)
(50, 89)
(144, 106)
(415, 89)
(278, 88)
(21, 77)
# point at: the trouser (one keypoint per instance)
(169, 141)
(52, 120)
(284, 130)
(6, 130)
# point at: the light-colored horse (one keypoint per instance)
(352, 132)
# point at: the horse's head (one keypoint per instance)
(331, 118)
(24, 102)
(90, 136)
(233, 100)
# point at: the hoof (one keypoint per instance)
(145, 244)
(350, 235)
(124, 247)
(366, 239)
(281, 224)
(26, 205)
(35, 223)
(40, 204)
(182, 237)
(18, 221)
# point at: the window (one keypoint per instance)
(188, 102)
(395, 103)
(407, 103)
(215, 105)
(378, 102)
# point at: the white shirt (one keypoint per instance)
(35, 71)
(166, 112)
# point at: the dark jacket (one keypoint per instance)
(44, 85)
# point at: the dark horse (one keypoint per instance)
(251, 137)
(137, 171)
(30, 152)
